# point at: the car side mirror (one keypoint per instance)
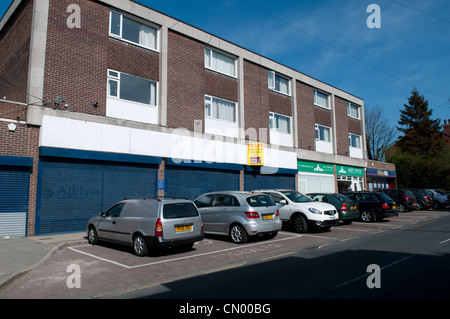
(283, 202)
(103, 214)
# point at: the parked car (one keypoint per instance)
(149, 223)
(301, 212)
(347, 208)
(373, 206)
(423, 202)
(430, 197)
(404, 198)
(441, 198)
(239, 215)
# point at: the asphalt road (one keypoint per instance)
(411, 251)
(413, 263)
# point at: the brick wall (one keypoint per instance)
(280, 103)
(342, 127)
(76, 59)
(185, 81)
(14, 53)
(256, 100)
(305, 116)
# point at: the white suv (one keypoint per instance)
(301, 212)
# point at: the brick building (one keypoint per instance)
(131, 102)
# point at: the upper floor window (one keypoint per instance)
(131, 30)
(280, 123)
(323, 133)
(321, 99)
(353, 110)
(278, 83)
(131, 88)
(220, 62)
(220, 109)
(354, 140)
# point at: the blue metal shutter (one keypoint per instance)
(191, 182)
(256, 180)
(14, 185)
(72, 191)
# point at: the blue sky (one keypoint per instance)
(330, 41)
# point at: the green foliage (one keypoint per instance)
(421, 133)
(421, 156)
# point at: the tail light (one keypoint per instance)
(344, 207)
(201, 219)
(385, 206)
(448, 196)
(406, 198)
(426, 197)
(251, 215)
(277, 213)
(158, 228)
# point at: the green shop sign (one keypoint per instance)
(313, 167)
(349, 170)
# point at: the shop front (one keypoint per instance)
(381, 179)
(349, 178)
(315, 177)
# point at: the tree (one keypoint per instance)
(379, 134)
(421, 156)
(421, 134)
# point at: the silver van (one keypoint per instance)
(239, 214)
(145, 223)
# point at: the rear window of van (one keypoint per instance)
(179, 210)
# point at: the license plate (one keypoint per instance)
(183, 228)
(414, 204)
(394, 207)
(353, 208)
(267, 217)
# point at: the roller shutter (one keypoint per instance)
(191, 182)
(257, 179)
(73, 190)
(14, 186)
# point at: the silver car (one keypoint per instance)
(239, 214)
(148, 223)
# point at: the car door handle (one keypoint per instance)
(114, 222)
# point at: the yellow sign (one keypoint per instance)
(255, 154)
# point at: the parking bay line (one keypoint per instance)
(185, 257)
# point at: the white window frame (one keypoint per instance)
(319, 105)
(210, 114)
(209, 63)
(272, 122)
(351, 106)
(272, 75)
(316, 128)
(350, 140)
(119, 36)
(117, 79)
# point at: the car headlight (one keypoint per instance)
(314, 210)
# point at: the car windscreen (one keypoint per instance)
(179, 210)
(260, 201)
(297, 197)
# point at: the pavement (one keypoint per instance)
(20, 255)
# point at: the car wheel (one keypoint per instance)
(421, 206)
(238, 234)
(140, 245)
(367, 216)
(300, 224)
(436, 205)
(92, 236)
(401, 208)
